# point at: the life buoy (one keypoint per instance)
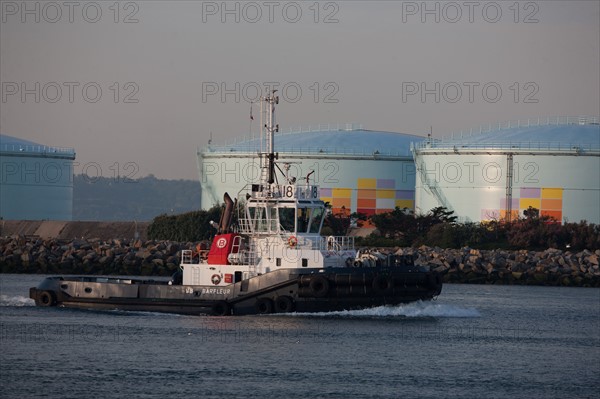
(46, 298)
(264, 306)
(292, 241)
(383, 284)
(220, 308)
(319, 286)
(215, 279)
(284, 304)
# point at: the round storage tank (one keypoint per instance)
(357, 170)
(497, 172)
(36, 181)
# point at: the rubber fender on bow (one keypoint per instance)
(383, 284)
(319, 286)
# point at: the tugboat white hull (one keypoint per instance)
(282, 291)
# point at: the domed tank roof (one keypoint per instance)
(10, 140)
(14, 145)
(570, 131)
(541, 133)
(329, 140)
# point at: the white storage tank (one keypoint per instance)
(36, 181)
(497, 172)
(357, 170)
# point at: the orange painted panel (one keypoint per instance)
(363, 193)
(365, 211)
(552, 204)
(340, 202)
(366, 203)
(557, 215)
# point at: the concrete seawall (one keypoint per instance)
(46, 229)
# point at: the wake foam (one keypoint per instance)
(411, 310)
(18, 300)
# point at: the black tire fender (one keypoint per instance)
(264, 306)
(319, 286)
(382, 284)
(221, 308)
(46, 299)
(284, 304)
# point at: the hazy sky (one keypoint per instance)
(149, 88)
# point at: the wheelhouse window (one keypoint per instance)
(287, 219)
(303, 219)
(315, 220)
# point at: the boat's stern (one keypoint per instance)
(47, 292)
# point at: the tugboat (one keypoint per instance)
(267, 256)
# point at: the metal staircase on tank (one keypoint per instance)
(433, 187)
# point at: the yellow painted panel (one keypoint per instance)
(326, 199)
(405, 204)
(525, 203)
(341, 193)
(367, 183)
(386, 193)
(554, 193)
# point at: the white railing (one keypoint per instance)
(517, 145)
(331, 243)
(38, 149)
(448, 141)
(187, 256)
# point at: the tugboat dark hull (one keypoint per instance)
(281, 291)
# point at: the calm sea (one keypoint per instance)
(473, 342)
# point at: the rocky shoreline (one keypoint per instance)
(22, 254)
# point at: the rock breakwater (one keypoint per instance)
(21, 254)
(524, 267)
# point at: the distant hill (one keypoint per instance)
(122, 199)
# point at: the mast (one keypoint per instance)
(270, 128)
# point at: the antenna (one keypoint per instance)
(210, 139)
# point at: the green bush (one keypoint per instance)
(439, 228)
(190, 226)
